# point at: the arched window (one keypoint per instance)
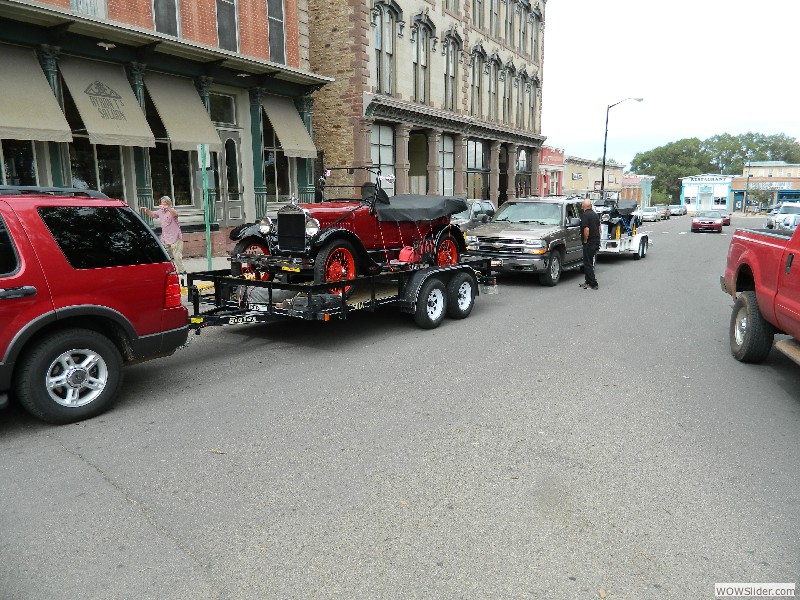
(451, 50)
(533, 104)
(421, 33)
(494, 18)
(508, 77)
(477, 13)
(522, 32)
(520, 83)
(536, 22)
(495, 67)
(479, 58)
(510, 10)
(385, 15)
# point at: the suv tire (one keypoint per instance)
(552, 276)
(69, 376)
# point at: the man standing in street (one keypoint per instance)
(171, 234)
(590, 235)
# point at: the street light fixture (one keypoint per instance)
(605, 144)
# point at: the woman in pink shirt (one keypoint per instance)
(171, 235)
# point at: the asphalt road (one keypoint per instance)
(560, 443)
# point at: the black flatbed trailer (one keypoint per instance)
(427, 292)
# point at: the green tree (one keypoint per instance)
(730, 153)
(672, 161)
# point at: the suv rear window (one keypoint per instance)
(8, 257)
(104, 236)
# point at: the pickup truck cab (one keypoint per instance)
(765, 283)
(535, 235)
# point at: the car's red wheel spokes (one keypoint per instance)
(447, 254)
(340, 266)
(248, 270)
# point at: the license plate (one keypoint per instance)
(259, 307)
(291, 269)
(497, 262)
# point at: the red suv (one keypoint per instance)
(85, 286)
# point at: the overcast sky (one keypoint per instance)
(703, 67)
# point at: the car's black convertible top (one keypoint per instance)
(415, 207)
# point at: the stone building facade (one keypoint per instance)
(444, 95)
(205, 101)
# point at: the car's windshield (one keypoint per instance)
(711, 214)
(544, 213)
(789, 210)
(649, 209)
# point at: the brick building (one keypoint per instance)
(443, 94)
(143, 98)
(551, 172)
(638, 188)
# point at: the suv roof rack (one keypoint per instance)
(19, 190)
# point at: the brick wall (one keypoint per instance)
(132, 12)
(58, 3)
(194, 244)
(199, 21)
(253, 32)
(292, 31)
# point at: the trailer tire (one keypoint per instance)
(460, 295)
(751, 336)
(642, 252)
(336, 261)
(552, 276)
(431, 304)
(250, 245)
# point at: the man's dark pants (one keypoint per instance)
(589, 252)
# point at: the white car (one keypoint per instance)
(650, 213)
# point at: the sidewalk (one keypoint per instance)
(194, 265)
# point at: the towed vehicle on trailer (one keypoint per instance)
(620, 232)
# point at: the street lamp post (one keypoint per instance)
(605, 145)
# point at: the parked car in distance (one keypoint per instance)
(479, 211)
(677, 209)
(786, 208)
(787, 222)
(85, 287)
(650, 213)
(726, 217)
(707, 220)
(664, 210)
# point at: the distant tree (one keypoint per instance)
(671, 162)
(731, 153)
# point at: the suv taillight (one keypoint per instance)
(172, 293)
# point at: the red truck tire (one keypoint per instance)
(751, 336)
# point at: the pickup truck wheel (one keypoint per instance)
(553, 273)
(642, 252)
(751, 336)
(254, 246)
(446, 251)
(431, 304)
(69, 376)
(336, 262)
(460, 295)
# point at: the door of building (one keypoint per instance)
(229, 205)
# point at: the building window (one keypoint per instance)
(93, 8)
(420, 62)
(494, 84)
(171, 174)
(535, 25)
(96, 168)
(533, 96)
(510, 10)
(508, 88)
(227, 30)
(524, 174)
(19, 163)
(278, 168)
(494, 18)
(277, 33)
(452, 50)
(384, 49)
(477, 170)
(476, 88)
(447, 165)
(520, 83)
(451, 5)
(523, 29)
(477, 13)
(222, 109)
(165, 16)
(382, 153)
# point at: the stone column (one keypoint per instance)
(362, 152)
(460, 164)
(434, 168)
(48, 58)
(494, 172)
(141, 156)
(511, 192)
(257, 145)
(401, 163)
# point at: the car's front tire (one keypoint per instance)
(69, 376)
(254, 246)
(552, 276)
(336, 262)
(751, 336)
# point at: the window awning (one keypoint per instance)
(289, 127)
(106, 103)
(182, 112)
(28, 107)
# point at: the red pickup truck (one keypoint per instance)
(765, 283)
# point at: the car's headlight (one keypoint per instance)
(471, 240)
(265, 225)
(312, 226)
(605, 217)
(535, 246)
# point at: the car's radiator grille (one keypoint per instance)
(500, 245)
(292, 232)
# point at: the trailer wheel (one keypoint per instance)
(431, 304)
(750, 335)
(336, 262)
(254, 246)
(460, 295)
(446, 251)
(642, 252)
(552, 276)
(70, 375)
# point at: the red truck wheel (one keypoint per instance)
(750, 335)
